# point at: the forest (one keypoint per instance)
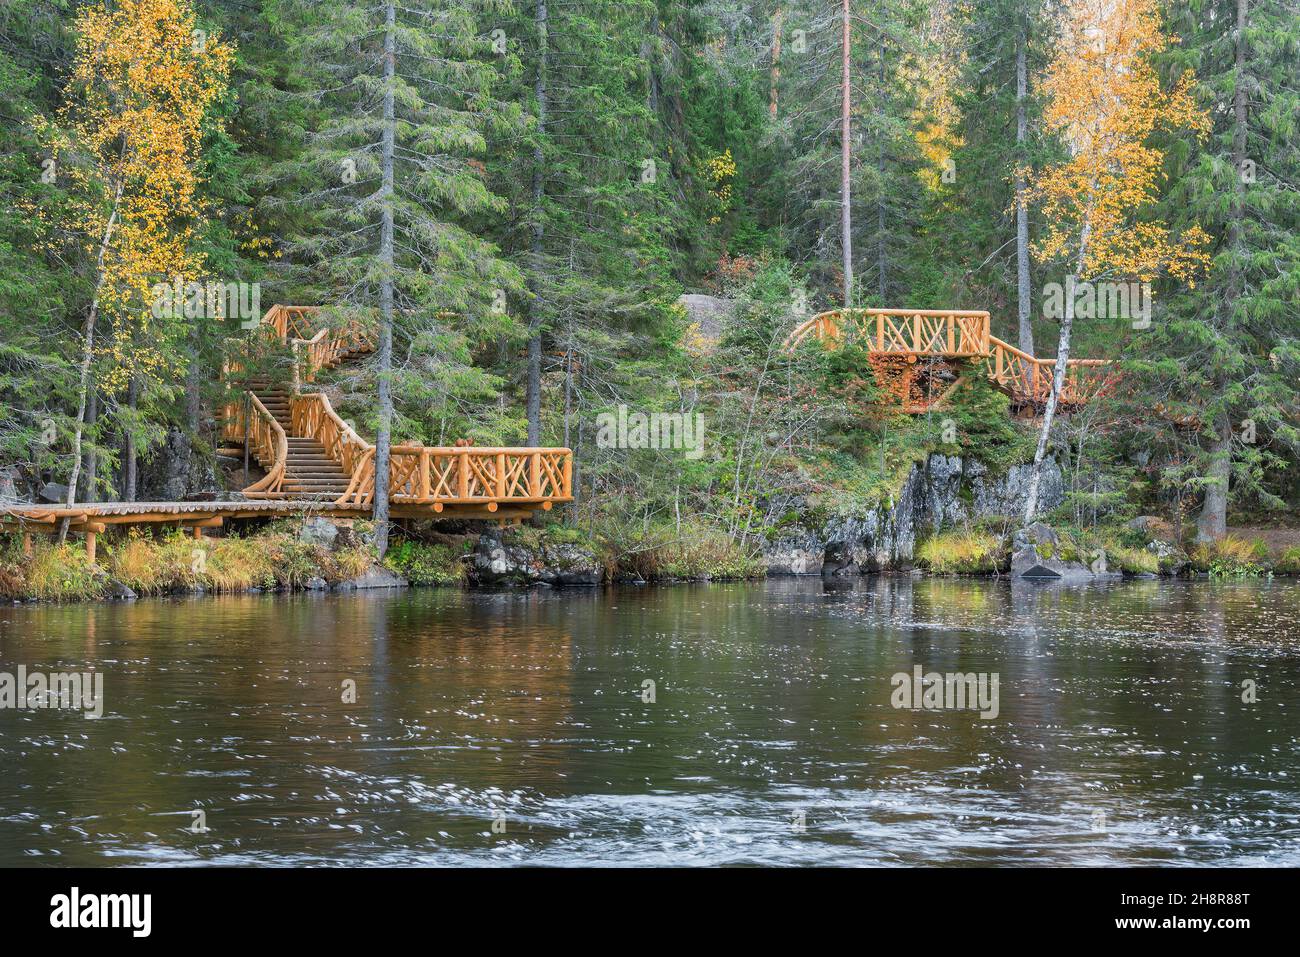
(551, 212)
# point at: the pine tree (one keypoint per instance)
(1227, 354)
(402, 97)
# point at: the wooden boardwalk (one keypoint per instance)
(916, 354)
(316, 463)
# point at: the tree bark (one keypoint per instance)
(1212, 522)
(383, 434)
(846, 230)
(129, 477)
(87, 354)
(1024, 297)
(882, 249)
(534, 386)
(778, 23)
(90, 464)
(1058, 383)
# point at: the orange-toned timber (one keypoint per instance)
(899, 339)
(432, 477)
(316, 463)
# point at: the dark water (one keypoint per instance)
(1121, 738)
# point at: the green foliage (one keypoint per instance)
(426, 564)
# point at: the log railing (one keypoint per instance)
(470, 474)
(418, 475)
(957, 334)
(267, 441)
(945, 332)
(1030, 379)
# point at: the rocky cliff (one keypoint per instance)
(939, 493)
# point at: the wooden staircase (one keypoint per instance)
(311, 455)
(309, 471)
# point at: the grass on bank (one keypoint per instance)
(1231, 557)
(962, 552)
(695, 553)
(174, 561)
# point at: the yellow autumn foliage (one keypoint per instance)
(1105, 100)
(128, 142)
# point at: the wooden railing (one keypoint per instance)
(945, 332)
(417, 475)
(267, 441)
(957, 334)
(1029, 379)
(440, 474)
(311, 415)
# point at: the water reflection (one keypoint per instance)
(771, 700)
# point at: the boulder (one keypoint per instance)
(373, 578)
(500, 561)
(9, 479)
(114, 589)
(1035, 556)
(1151, 526)
(318, 531)
(178, 472)
(54, 492)
(570, 564)
(800, 555)
(1169, 557)
(706, 313)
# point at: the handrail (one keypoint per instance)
(311, 415)
(954, 333)
(438, 474)
(269, 443)
(947, 332)
(424, 475)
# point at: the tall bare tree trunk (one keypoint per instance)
(882, 249)
(87, 354)
(846, 227)
(90, 463)
(1024, 297)
(1058, 383)
(129, 458)
(533, 398)
(1212, 522)
(383, 434)
(778, 24)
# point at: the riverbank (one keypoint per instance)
(316, 554)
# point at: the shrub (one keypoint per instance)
(426, 564)
(1288, 562)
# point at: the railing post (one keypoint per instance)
(462, 479)
(916, 334)
(880, 332)
(501, 475)
(425, 490)
(535, 474)
(567, 491)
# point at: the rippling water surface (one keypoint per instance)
(1121, 738)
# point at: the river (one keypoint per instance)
(692, 724)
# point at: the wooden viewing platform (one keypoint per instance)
(898, 341)
(315, 463)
